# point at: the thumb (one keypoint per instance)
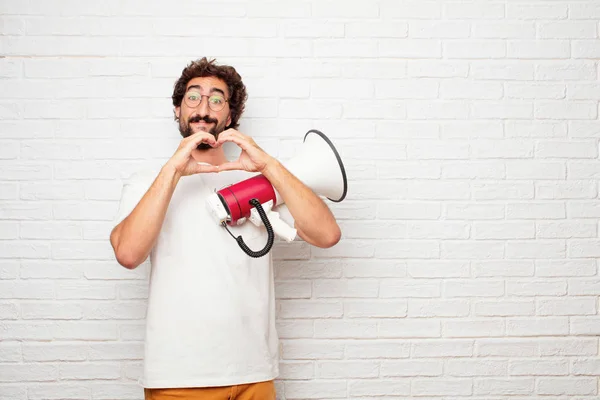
(231, 165)
(206, 167)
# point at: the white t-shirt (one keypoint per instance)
(211, 307)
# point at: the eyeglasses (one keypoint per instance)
(216, 102)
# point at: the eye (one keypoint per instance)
(217, 100)
(193, 96)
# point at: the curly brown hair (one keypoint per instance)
(228, 74)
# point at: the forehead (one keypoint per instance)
(209, 84)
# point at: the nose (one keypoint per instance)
(202, 108)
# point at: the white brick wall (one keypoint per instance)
(468, 264)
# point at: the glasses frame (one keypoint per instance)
(202, 96)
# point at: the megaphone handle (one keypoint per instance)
(282, 229)
(270, 239)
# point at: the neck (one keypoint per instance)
(211, 156)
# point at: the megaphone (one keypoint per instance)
(317, 164)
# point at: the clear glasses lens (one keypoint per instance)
(216, 102)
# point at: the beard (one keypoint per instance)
(185, 128)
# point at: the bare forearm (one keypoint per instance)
(313, 219)
(134, 237)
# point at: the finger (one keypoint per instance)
(201, 137)
(233, 133)
(205, 137)
(231, 138)
(210, 140)
(229, 131)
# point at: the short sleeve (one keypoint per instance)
(134, 188)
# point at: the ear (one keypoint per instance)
(177, 112)
(228, 120)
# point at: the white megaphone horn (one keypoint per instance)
(317, 164)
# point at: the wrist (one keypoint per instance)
(270, 165)
(171, 171)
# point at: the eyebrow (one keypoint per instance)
(212, 90)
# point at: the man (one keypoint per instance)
(210, 330)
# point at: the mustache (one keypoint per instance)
(198, 118)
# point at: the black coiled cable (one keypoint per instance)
(265, 220)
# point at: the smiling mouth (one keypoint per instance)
(201, 124)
